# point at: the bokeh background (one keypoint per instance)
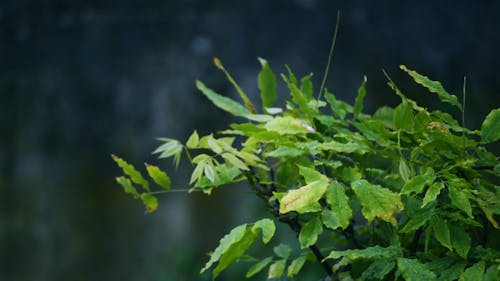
(80, 80)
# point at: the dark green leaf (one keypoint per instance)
(459, 198)
(358, 104)
(310, 232)
(375, 252)
(283, 251)
(258, 267)
(432, 193)
(377, 270)
(441, 231)
(453, 272)
(413, 270)
(473, 273)
(306, 87)
(403, 116)
(490, 130)
(385, 114)
(267, 84)
(460, 240)
(419, 219)
(158, 176)
(339, 204)
(433, 86)
(492, 273)
(417, 183)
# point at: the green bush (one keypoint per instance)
(403, 194)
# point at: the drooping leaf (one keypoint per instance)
(276, 269)
(127, 186)
(222, 102)
(193, 140)
(459, 198)
(225, 243)
(377, 270)
(310, 232)
(301, 198)
(130, 171)
(413, 270)
(287, 126)
(158, 176)
(418, 219)
(296, 265)
(339, 204)
(432, 193)
(267, 84)
(150, 202)
(490, 129)
(377, 201)
(434, 87)
(358, 103)
(441, 231)
(403, 116)
(268, 228)
(473, 273)
(198, 171)
(460, 240)
(258, 267)
(417, 183)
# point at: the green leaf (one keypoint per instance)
(377, 201)
(214, 144)
(130, 171)
(422, 120)
(127, 186)
(169, 148)
(311, 175)
(419, 219)
(267, 84)
(198, 171)
(235, 251)
(385, 114)
(417, 183)
(453, 272)
(370, 253)
(413, 270)
(460, 240)
(339, 108)
(490, 129)
(209, 171)
(283, 251)
(231, 158)
(492, 273)
(339, 204)
(309, 233)
(301, 198)
(358, 103)
(349, 147)
(158, 176)
(473, 273)
(459, 198)
(296, 265)
(404, 170)
(288, 126)
(225, 243)
(377, 270)
(224, 103)
(441, 231)
(276, 269)
(258, 267)
(150, 202)
(306, 86)
(432, 193)
(268, 228)
(403, 116)
(285, 151)
(433, 86)
(193, 140)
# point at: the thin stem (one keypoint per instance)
(327, 69)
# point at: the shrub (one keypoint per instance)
(403, 194)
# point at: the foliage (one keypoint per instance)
(403, 194)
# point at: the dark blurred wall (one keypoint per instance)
(80, 80)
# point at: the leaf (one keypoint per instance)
(130, 171)
(358, 103)
(209, 171)
(235, 250)
(235, 161)
(492, 273)
(433, 86)
(375, 252)
(306, 86)
(490, 129)
(158, 176)
(432, 193)
(422, 120)
(298, 199)
(311, 175)
(268, 228)
(460, 240)
(413, 270)
(127, 186)
(459, 198)
(339, 204)
(193, 140)
(385, 114)
(225, 243)
(276, 269)
(453, 272)
(403, 116)
(283, 251)
(169, 148)
(224, 103)
(267, 84)
(339, 108)
(198, 171)
(417, 183)
(287, 126)
(349, 147)
(419, 219)
(473, 273)
(441, 231)
(150, 202)
(309, 233)
(377, 201)
(404, 170)
(377, 270)
(258, 267)
(296, 266)
(214, 144)
(285, 151)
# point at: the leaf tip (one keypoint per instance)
(218, 63)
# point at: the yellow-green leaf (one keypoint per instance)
(225, 243)
(339, 204)
(432, 193)
(193, 140)
(296, 266)
(130, 171)
(127, 186)
(158, 176)
(288, 126)
(223, 102)
(267, 84)
(310, 232)
(301, 198)
(413, 270)
(150, 202)
(258, 267)
(490, 130)
(268, 228)
(276, 269)
(358, 103)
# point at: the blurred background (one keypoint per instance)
(80, 80)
